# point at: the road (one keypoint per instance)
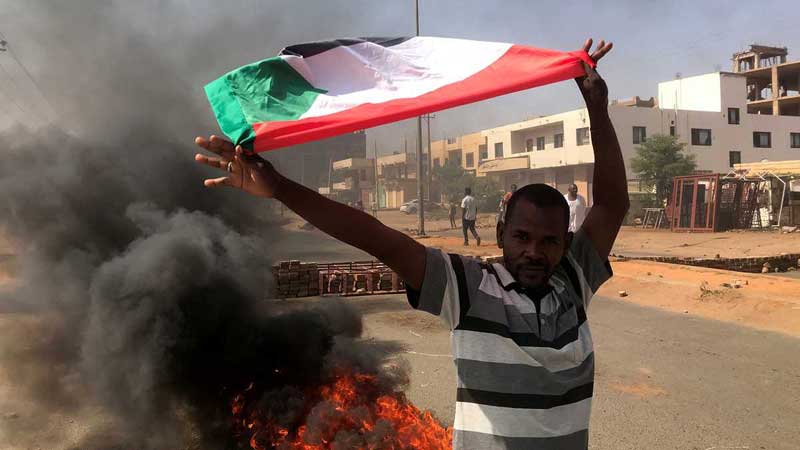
(664, 380)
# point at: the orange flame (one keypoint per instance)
(351, 408)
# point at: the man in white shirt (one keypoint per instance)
(469, 214)
(577, 208)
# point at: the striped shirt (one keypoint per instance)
(524, 361)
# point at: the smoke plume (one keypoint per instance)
(137, 309)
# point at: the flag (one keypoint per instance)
(322, 89)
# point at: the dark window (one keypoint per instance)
(558, 140)
(540, 143)
(639, 135)
(455, 156)
(734, 158)
(483, 152)
(762, 139)
(470, 159)
(582, 136)
(498, 149)
(436, 162)
(451, 140)
(672, 130)
(794, 140)
(363, 174)
(733, 116)
(701, 136)
(528, 145)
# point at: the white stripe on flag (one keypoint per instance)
(369, 73)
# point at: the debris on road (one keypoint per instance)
(623, 293)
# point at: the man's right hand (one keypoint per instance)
(248, 172)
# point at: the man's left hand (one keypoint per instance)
(592, 86)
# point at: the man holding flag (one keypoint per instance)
(521, 342)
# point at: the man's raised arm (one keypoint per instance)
(610, 185)
(254, 175)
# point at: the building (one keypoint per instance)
(773, 84)
(464, 150)
(397, 179)
(310, 163)
(711, 114)
(352, 180)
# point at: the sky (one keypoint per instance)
(203, 39)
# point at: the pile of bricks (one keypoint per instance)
(296, 279)
(780, 263)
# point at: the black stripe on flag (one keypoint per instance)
(314, 48)
(525, 401)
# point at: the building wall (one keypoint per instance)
(698, 93)
(467, 144)
(309, 163)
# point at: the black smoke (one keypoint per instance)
(139, 303)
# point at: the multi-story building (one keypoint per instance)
(352, 180)
(310, 163)
(711, 114)
(397, 179)
(464, 150)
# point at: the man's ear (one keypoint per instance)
(500, 229)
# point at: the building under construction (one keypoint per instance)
(773, 84)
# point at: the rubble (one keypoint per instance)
(623, 293)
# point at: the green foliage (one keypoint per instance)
(658, 160)
(453, 179)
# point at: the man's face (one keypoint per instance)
(533, 240)
(573, 190)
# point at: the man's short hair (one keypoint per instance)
(542, 196)
(467, 191)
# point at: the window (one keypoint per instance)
(470, 159)
(455, 156)
(483, 152)
(558, 140)
(498, 149)
(363, 174)
(734, 158)
(540, 143)
(451, 140)
(672, 130)
(639, 135)
(528, 145)
(762, 139)
(582, 136)
(436, 162)
(733, 116)
(701, 136)
(794, 140)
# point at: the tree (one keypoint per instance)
(658, 160)
(453, 179)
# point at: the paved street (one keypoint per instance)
(664, 380)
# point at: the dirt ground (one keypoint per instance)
(762, 301)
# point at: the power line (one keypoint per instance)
(8, 48)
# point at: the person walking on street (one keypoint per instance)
(504, 202)
(453, 210)
(577, 208)
(469, 214)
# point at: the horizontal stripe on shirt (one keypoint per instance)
(526, 401)
(487, 441)
(516, 422)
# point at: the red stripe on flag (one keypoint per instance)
(518, 69)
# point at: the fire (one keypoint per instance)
(351, 411)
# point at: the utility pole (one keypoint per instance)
(377, 203)
(429, 179)
(420, 167)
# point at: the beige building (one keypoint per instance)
(465, 150)
(397, 179)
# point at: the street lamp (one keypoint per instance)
(420, 167)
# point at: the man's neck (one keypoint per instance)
(572, 196)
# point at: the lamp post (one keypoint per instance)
(420, 167)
